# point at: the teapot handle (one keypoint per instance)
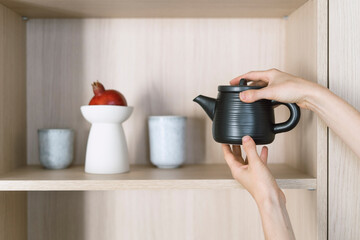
(291, 122)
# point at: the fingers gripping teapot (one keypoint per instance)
(234, 119)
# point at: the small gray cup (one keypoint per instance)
(167, 140)
(56, 147)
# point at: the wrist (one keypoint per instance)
(271, 199)
(275, 218)
(313, 93)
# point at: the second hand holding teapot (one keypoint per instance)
(234, 119)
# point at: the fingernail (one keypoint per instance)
(246, 139)
(242, 96)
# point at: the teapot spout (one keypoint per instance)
(208, 104)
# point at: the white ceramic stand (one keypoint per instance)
(106, 151)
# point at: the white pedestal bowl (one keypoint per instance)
(106, 151)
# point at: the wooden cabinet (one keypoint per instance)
(160, 54)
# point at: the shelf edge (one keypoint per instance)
(108, 185)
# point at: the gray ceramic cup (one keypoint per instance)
(56, 147)
(167, 140)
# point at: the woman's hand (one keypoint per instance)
(255, 176)
(252, 172)
(340, 116)
(280, 86)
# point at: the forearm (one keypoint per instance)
(275, 219)
(340, 116)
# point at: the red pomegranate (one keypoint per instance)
(106, 97)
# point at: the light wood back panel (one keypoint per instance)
(160, 215)
(344, 79)
(12, 120)
(159, 64)
(153, 8)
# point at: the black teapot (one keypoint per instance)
(234, 119)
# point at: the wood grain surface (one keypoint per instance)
(159, 215)
(153, 8)
(322, 130)
(204, 176)
(13, 215)
(307, 57)
(13, 222)
(344, 79)
(12, 91)
(301, 60)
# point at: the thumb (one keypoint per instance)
(250, 96)
(250, 149)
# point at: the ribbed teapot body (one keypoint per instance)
(235, 119)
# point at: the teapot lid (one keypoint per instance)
(239, 88)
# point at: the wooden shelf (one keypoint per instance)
(206, 176)
(153, 8)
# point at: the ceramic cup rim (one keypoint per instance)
(55, 130)
(166, 117)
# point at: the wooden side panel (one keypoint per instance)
(322, 130)
(12, 91)
(306, 56)
(344, 80)
(160, 65)
(12, 120)
(159, 215)
(301, 60)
